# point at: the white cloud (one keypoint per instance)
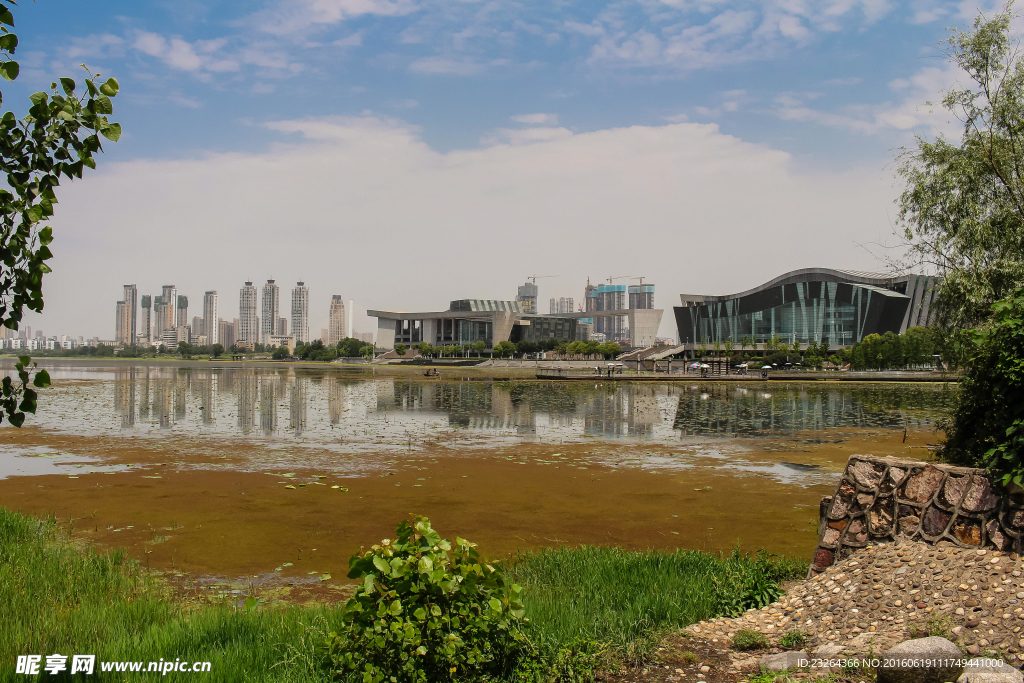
(446, 65)
(94, 46)
(676, 118)
(911, 113)
(190, 102)
(292, 16)
(537, 119)
(353, 40)
(180, 54)
(363, 180)
(525, 136)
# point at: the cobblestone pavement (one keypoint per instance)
(870, 601)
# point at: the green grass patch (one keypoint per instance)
(585, 605)
(626, 599)
(746, 639)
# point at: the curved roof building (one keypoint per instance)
(811, 304)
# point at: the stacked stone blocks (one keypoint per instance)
(879, 499)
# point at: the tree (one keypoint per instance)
(185, 349)
(963, 207)
(609, 349)
(504, 349)
(400, 349)
(217, 350)
(746, 341)
(280, 353)
(986, 425)
(425, 348)
(478, 347)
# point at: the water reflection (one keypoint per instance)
(328, 408)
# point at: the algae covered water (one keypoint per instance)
(279, 473)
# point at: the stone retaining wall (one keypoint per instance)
(879, 499)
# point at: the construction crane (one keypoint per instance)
(535, 277)
(621, 277)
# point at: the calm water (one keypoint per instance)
(293, 406)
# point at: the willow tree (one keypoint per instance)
(59, 137)
(963, 206)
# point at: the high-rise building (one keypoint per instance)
(641, 296)
(210, 326)
(182, 313)
(282, 327)
(131, 300)
(561, 305)
(336, 321)
(270, 310)
(147, 319)
(122, 334)
(323, 336)
(248, 330)
(169, 297)
(225, 334)
(300, 313)
(527, 297)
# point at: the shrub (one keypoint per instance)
(793, 639)
(427, 611)
(986, 426)
(749, 640)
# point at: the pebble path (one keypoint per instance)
(887, 593)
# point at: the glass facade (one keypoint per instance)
(815, 310)
(543, 328)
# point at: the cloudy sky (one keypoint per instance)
(403, 153)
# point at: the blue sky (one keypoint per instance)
(808, 98)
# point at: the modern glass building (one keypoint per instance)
(809, 305)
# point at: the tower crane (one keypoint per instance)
(535, 277)
(620, 277)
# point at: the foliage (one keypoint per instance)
(504, 349)
(18, 400)
(478, 347)
(986, 425)
(427, 611)
(217, 350)
(350, 347)
(963, 209)
(793, 639)
(746, 639)
(58, 137)
(750, 585)
(184, 349)
(400, 349)
(280, 353)
(315, 351)
(891, 351)
(609, 349)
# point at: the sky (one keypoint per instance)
(404, 153)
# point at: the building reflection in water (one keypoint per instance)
(249, 400)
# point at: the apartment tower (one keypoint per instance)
(169, 298)
(210, 326)
(270, 310)
(336, 321)
(182, 312)
(300, 313)
(248, 331)
(147, 318)
(131, 300)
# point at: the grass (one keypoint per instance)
(585, 605)
(625, 600)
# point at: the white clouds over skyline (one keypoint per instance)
(362, 207)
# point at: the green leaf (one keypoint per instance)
(495, 604)
(368, 583)
(380, 564)
(395, 608)
(104, 105)
(37, 97)
(25, 360)
(8, 42)
(68, 85)
(112, 132)
(42, 379)
(9, 70)
(6, 17)
(46, 235)
(110, 88)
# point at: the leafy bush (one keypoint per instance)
(749, 640)
(426, 611)
(793, 639)
(986, 426)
